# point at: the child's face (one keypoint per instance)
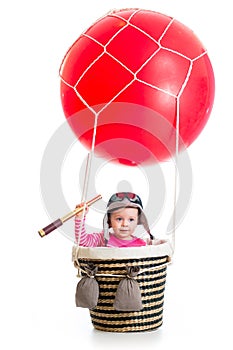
(124, 222)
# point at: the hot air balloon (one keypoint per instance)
(137, 87)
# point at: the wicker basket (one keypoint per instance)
(111, 262)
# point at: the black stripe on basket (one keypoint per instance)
(125, 316)
(111, 311)
(117, 270)
(146, 276)
(143, 292)
(112, 288)
(112, 297)
(113, 278)
(113, 282)
(110, 265)
(152, 300)
(110, 273)
(132, 327)
(120, 261)
(148, 292)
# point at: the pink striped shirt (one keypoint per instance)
(97, 239)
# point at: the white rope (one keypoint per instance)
(87, 177)
(134, 78)
(177, 144)
(141, 271)
(85, 180)
(84, 194)
(173, 235)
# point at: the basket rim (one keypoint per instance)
(162, 249)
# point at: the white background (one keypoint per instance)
(37, 277)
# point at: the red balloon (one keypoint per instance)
(139, 74)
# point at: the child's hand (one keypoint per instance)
(80, 214)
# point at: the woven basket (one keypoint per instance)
(151, 279)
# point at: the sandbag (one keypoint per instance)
(87, 290)
(128, 294)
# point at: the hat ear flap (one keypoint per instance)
(142, 220)
(139, 216)
(109, 220)
(106, 227)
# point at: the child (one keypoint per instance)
(124, 213)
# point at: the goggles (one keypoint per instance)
(120, 196)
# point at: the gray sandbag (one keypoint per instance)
(128, 294)
(87, 290)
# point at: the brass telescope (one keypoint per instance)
(59, 222)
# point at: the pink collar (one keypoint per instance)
(116, 242)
